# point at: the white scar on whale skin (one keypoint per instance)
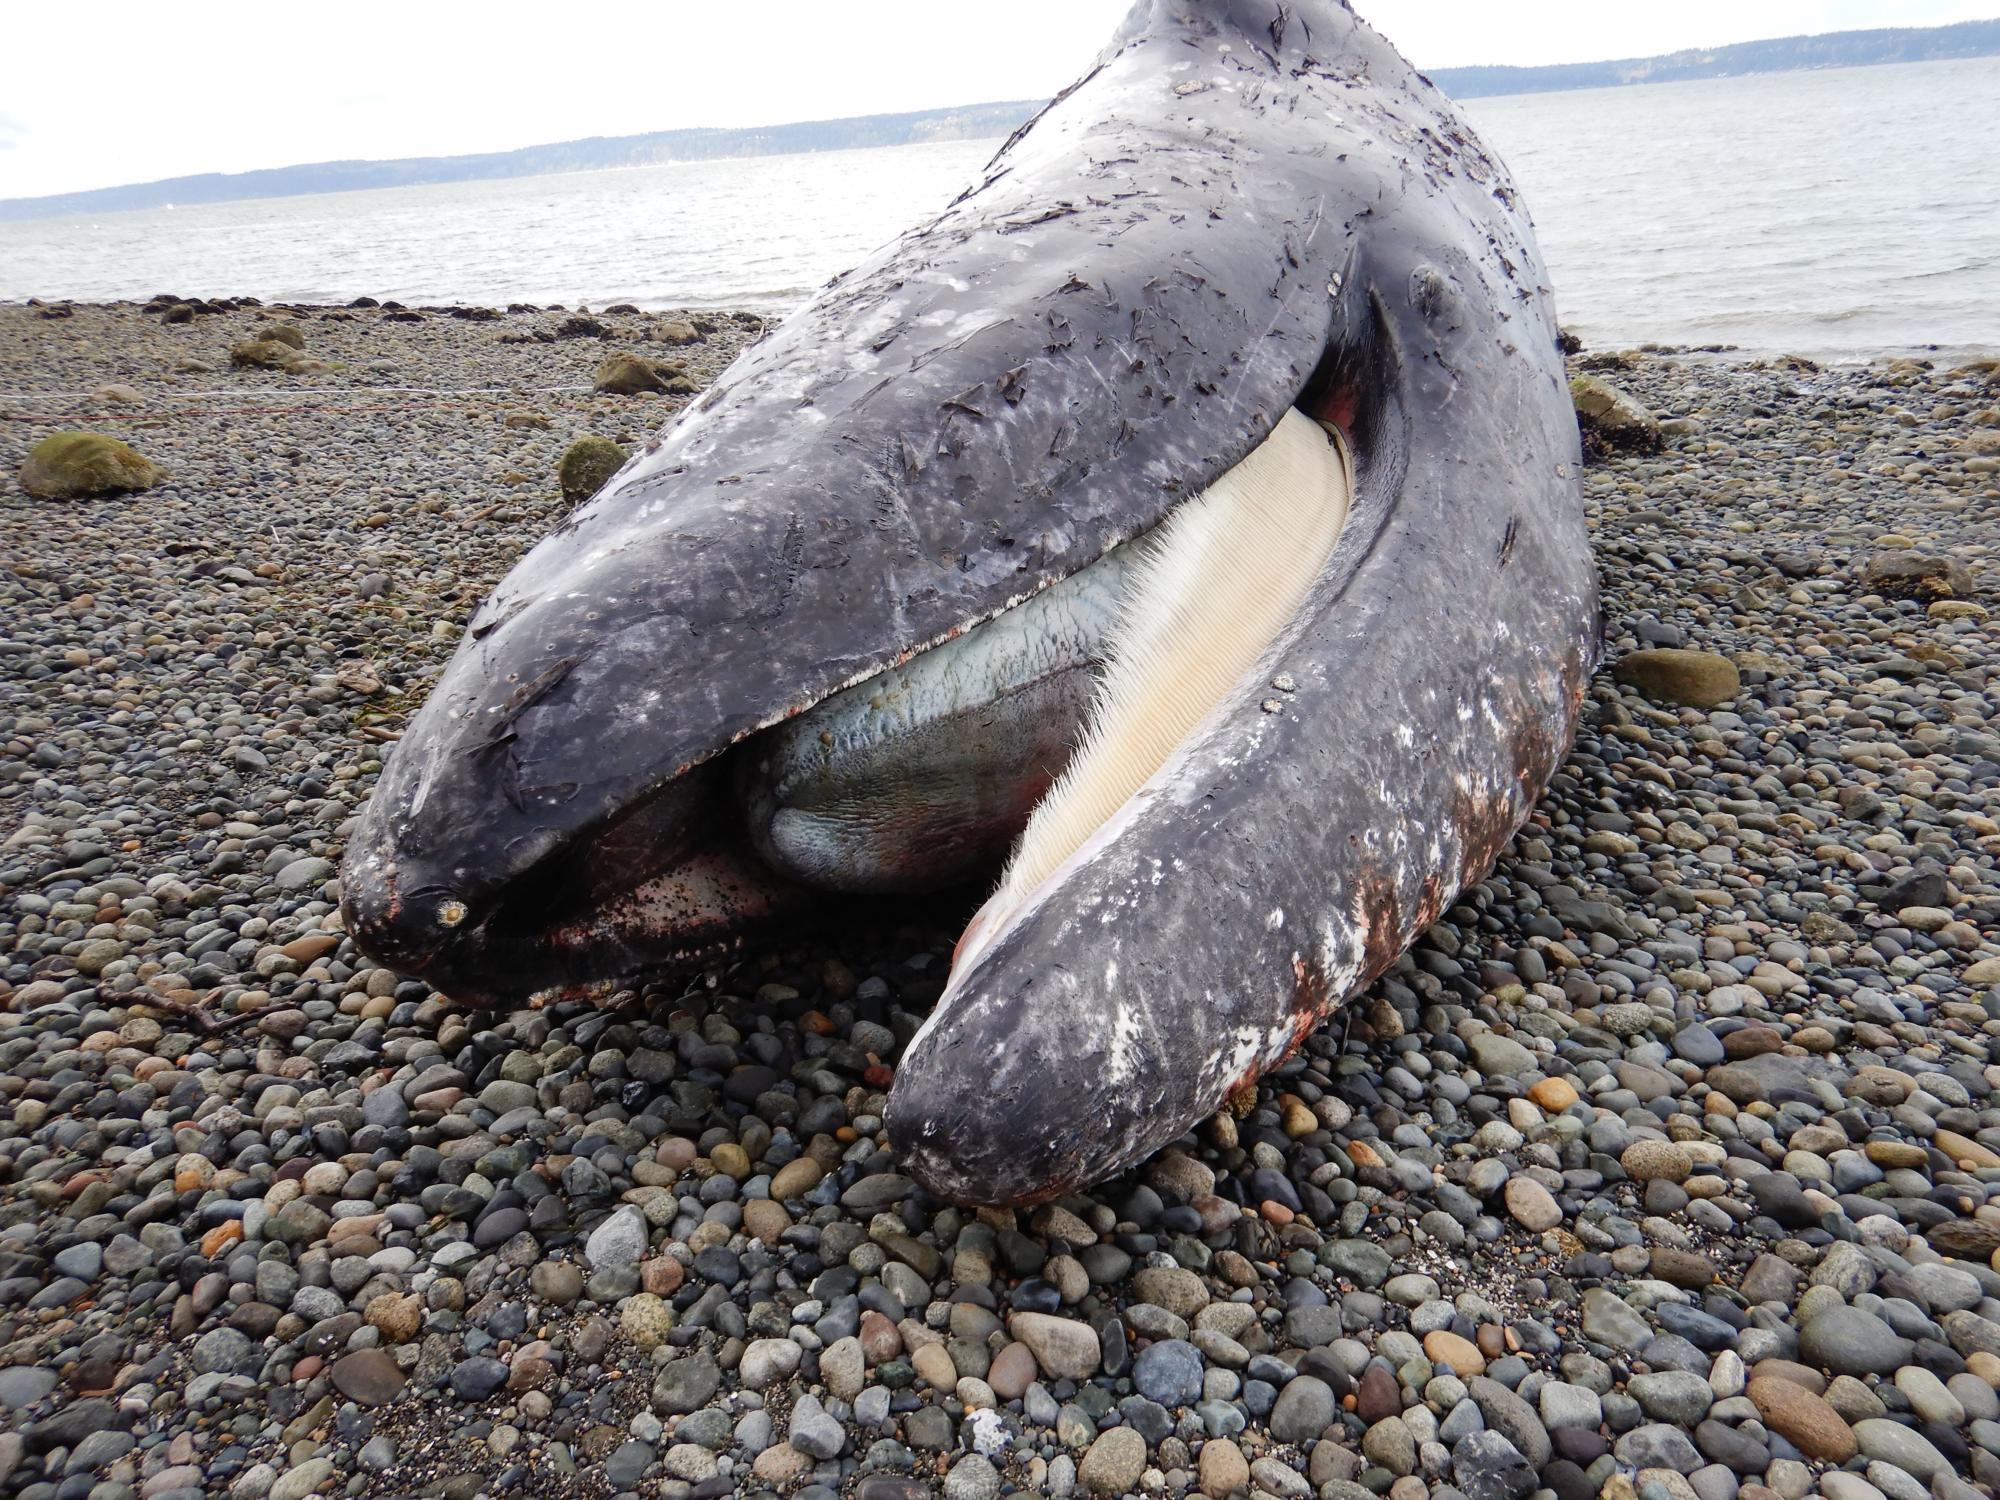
(1225, 574)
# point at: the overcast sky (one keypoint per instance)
(224, 86)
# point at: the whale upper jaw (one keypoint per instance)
(1242, 209)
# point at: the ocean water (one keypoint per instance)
(1841, 214)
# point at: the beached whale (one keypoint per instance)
(1188, 514)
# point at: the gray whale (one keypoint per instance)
(1244, 209)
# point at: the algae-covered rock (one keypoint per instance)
(628, 375)
(279, 333)
(177, 312)
(1697, 679)
(1916, 575)
(70, 465)
(588, 463)
(261, 354)
(270, 354)
(1612, 419)
(677, 333)
(1956, 609)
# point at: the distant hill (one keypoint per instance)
(1838, 49)
(1785, 54)
(966, 122)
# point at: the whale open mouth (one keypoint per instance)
(1010, 746)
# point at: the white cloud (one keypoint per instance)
(228, 85)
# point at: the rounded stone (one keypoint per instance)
(1113, 1463)
(1531, 1204)
(1805, 1420)
(1553, 1095)
(1460, 1355)
(1222, 1470)
(768, 1361)
(1851, 1341)
(1169, 1372)
(1650, 1160)
(1304, 1409)
(1065, 1348)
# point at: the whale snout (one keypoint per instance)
(967, 1144)
(403, 931)
(989, 1107)
(399, 914)
(424, 931)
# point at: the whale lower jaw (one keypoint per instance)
(1158, 632)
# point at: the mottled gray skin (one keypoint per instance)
(1397, 736)
(1243, 206)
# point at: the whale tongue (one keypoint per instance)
(1221, 578)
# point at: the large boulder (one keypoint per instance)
(279, 333)
(629, 375)
(1903, 574)
(71, 465)
(1694, 679)
(1612, 420)
(589, 462)
(271, 354)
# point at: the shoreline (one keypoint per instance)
(1665, 1167)
(774, 310)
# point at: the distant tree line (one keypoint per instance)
(1787, 54)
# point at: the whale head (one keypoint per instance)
(1183, 525)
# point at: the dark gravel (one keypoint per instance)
(1667, 1165)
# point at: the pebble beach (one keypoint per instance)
(1665, 1167)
